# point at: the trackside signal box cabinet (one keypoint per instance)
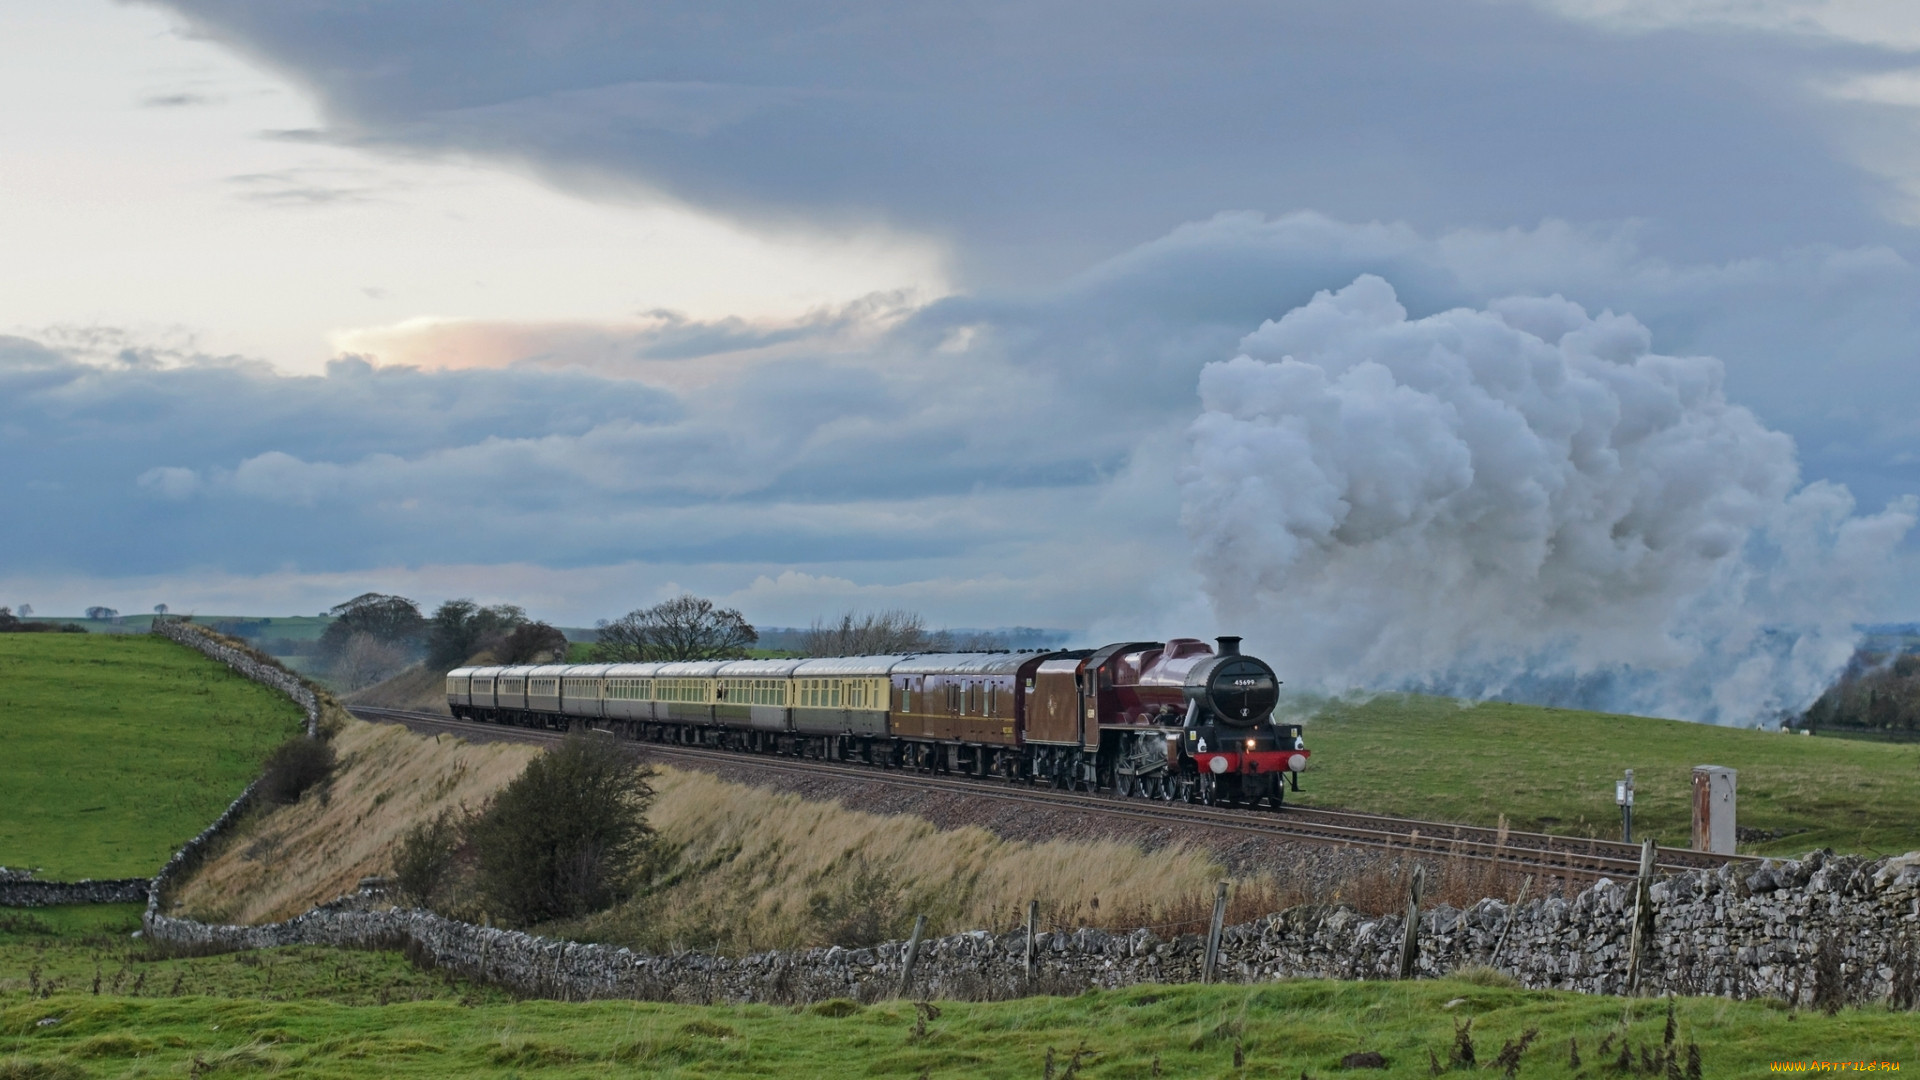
(1713, 805)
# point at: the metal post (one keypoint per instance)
(913, 954)
(1033, 929)
(1410, 942)
(1623, 795)
(1213, 933)
(1642, 917)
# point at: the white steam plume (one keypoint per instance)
(1524, 501)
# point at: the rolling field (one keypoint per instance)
(1553, 770)
(119, 748)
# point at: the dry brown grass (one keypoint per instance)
(282, 861)
(754, 869)
(751, 869)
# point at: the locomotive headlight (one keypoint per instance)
(1299, 743)
(1249, 744)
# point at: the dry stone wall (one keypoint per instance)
(1824, 928)
(245, 663)
(19, 889)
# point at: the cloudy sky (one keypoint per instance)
(819, 306)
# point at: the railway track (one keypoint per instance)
(1571, 858)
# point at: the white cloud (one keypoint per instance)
(170, 482)
(1891, 23)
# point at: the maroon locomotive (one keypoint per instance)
(1172, 721)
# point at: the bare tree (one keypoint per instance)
(872, 634)
(365, 660)
(897, 630)
(683, 628)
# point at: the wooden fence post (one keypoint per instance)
(1213, 933)
(1410, 941)
(913, 954)
(1493, 961)
(1642, 918)
(1033, 929)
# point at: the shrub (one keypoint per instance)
(865, 911)
(426, 858)
(295, 766)
(567, 836)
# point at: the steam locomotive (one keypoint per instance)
(1142, 719)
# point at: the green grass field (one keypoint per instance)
(1553, 770)
(291, 627)
(62, 950)
(320, 1013)
(119, 748)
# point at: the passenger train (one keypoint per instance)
(1144, 719)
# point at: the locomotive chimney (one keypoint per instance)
(1229, 646)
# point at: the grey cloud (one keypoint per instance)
(1041, 136)
(304, 187)
(179, 100)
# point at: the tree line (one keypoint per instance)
(376, 635)
(14, 624)
(1877, 692)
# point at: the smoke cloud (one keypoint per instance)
(1524, 501)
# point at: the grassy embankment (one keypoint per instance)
(121, 748)
(280, 861)
(1553, 770)
(310, 1012)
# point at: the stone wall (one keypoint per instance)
(246, 662)
(19, 889)
(1839, 928)
(194, 850)
(248, 665)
